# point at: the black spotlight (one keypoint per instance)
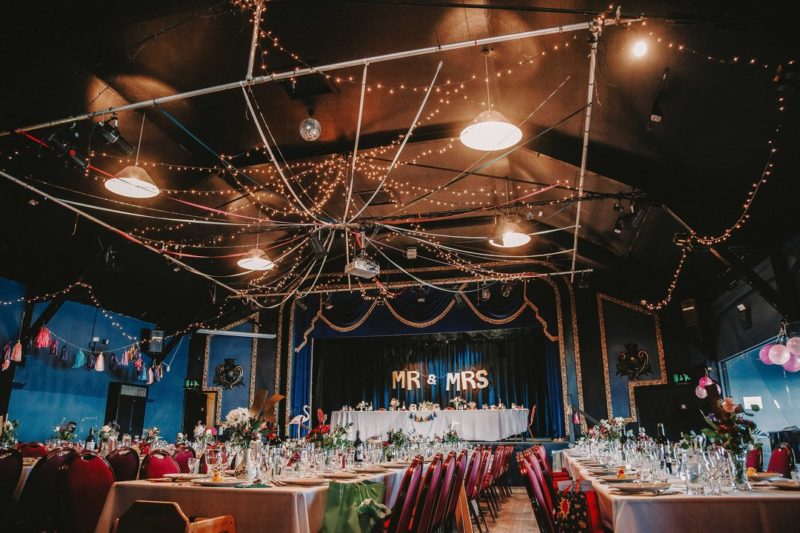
(459, 298)
(328, 303)
(301, 304)
(109, 131)
(63, 144)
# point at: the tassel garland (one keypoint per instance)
(43, 338)
(16, 352)
(99, 364)
(80, 359)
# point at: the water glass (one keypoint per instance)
(194, 465)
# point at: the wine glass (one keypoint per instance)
(194, 465)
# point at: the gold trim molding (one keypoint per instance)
(603, 346)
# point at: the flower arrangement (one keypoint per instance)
(149, 435)
(9, 435)
(66, 431)
(328, 439)
(458, 402)
(728, 426)
(472, 405)
(451, 436)
(610, 430)
(363, 406)
(397, 438)
(109, 431)
(427, 406)
(393, 403)
(203, 435)
(243, 427)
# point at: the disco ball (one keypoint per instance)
(310, 129)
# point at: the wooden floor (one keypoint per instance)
(516, 515)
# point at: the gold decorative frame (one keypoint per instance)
(253, 362)
(606, 376)
(278, 347)
(576, 343)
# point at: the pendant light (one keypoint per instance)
(509, 234)
(490, 130)
(256, 258)
(133, 181)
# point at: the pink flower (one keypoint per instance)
(728, 405)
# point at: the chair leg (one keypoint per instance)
(473, 512)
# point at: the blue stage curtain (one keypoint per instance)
(348, 370)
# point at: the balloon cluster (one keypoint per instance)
(701, 392)
(785, 355)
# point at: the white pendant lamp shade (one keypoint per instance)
(510, 235)
(256, 259)
(133, 182)
(490, 131)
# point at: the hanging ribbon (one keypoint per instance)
(99, 363)
(16, 352)
(80, 359)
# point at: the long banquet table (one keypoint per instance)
(288, 509)
(765, 510)
(476, 424)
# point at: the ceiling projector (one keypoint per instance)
(363, 267)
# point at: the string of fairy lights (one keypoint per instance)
(323, 180)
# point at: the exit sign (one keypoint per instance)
(681, 378)
(191, 384)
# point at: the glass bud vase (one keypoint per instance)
(740, 472)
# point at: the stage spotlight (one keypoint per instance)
(485, 294)
(109, 131)
(640, 48)
(301, 304)
(328, 303)
(63, 144)
(459, 298)
(317, 248)
(421, 295)
(618, 225)
(505, 289)
(411, 252)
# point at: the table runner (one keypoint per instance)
(768, 511)
(479, 424)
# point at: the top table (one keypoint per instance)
(476, 424)
(761, 510)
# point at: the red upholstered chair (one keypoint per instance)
(445, 488)
(474, 483)
(33, 449)
(157, 464)
(182, 456)
(83, 482)
(462, 468)
(544, 516)
(545, 485)
(781, 461)
(10, 470)
(37, 509)
(427, 496)
(125, 463)
(557, 476)
(403, 508)
(755, 459)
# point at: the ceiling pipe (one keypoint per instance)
(596, 30)
(296, 73)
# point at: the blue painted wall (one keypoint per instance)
(240, 349)
(47, 391)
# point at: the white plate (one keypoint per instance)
(629, 478)
(373, 470)
(761, 476)
(186, 476)
(786, 485)
(340, 475)
(643, 487)
(305, 482)
(225, 482)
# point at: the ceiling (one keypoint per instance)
(694, 168)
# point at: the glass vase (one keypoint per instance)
(740, 472)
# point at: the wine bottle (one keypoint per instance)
(90, 444)
(358, 445)
(661, 436)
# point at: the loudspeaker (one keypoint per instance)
(154, 340)
(126, 404)
(691, 315)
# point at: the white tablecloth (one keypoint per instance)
(767, 511)
(275, 509)
(480, 424)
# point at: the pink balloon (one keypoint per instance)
(763, 354)
(700, 392)
(779, 354)
(705, 381)
(794, 345)
(793, 364)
